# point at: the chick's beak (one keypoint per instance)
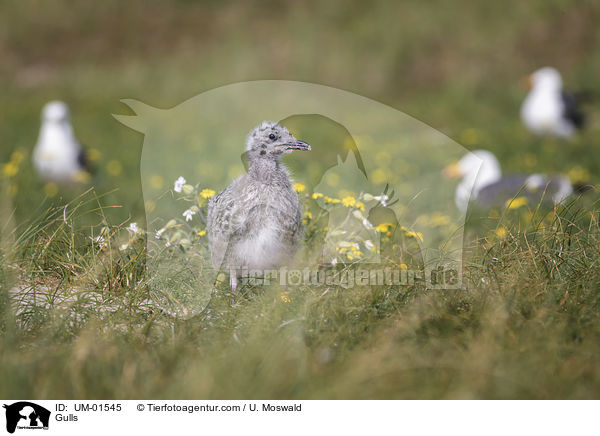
(452, 171)
(527, 82)
(298, 145)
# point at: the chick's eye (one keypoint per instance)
(272, 136)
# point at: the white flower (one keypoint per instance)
(369, 245)
(100, 241)
(334, 261)
(367, 224)
(188, 214)
(382, 199)
(133, 228)
(178, 186)
(123, 247)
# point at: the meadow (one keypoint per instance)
(77, 315)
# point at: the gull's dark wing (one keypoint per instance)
(571, 110)
(82, 159)
(496, 194)
(84, 162)
(511, 186)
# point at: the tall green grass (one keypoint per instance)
(526, 326)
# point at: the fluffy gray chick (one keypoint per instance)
(256, 222)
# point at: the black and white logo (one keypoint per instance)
(26, 415)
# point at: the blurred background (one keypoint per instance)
(456, 67)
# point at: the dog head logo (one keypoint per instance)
(26, 415)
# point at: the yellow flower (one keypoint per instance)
(207, 193)
(157, 181)
(382, 228)
(299, 187)
(82, 177)
(578, 174)
(438, 219)
(417, 235)
(516, 203)
(360, 205)
(403, 266)
(51, 189)
(93, 154)
(202, 233)
(316, 195)
(331, 200)
(308, 215)
(349, 201)
(285, 297)
(501, 232)
(114, 168)
(10, 169)
(378, 176)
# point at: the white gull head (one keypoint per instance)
(478, 169)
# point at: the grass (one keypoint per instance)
(527, 324)
(526, 327)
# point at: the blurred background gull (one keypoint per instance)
(548, 109)
(57, 156)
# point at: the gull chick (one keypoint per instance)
(58, 156)
(256, 222)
